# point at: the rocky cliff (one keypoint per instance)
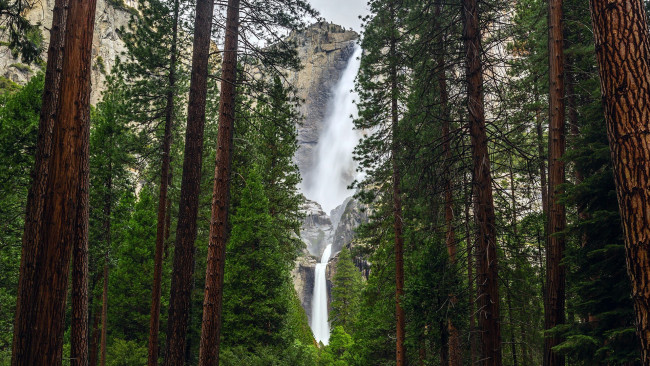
(317, 231)
(107, 44)
(324, 50)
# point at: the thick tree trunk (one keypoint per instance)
(623, 54)
(154, 317)
(486, 253)
(55, 213)
(35, 197)
(79, 328)
(219, 230)
(183, 268)
(555, 271)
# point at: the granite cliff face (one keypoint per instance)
(324, 50)
(107, 44)
(318, 230)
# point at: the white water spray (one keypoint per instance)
(320, 324)
(335, 169)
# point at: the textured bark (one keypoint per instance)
(154, 317)
(35, 202)
(555, 271)
(54, 219)
(623, 55)
(79, 328)
(183, 267)
(219, 230)
(486, 253)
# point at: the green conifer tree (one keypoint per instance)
(347, 285)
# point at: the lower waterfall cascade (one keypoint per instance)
(320, 324)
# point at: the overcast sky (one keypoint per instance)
(342, 12)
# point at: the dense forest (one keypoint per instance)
(502, 173)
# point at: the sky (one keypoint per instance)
(342, 12)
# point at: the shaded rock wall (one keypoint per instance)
(107, 43)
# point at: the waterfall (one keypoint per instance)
(334, 167)
(327, 181)
(320, 325)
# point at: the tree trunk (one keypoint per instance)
(513, 342)
(455, 357)
(542, 164)
(79, 327)
(154, 318)
(94, 342)
(470, 272)
(544, 188)
(444, 340)
(555, 271)
(55, 214)
(515, 243)
(183, 268)
(488, 289)
(575, 133)
(102, 361)
(219, 230)
(623, 54)
(36, 194)
(398, 225)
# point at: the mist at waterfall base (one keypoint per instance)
(334, 168)
(320, 325)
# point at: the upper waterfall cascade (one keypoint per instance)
(334, 168)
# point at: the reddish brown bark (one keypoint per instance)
(79, 328)
(555, 272)
(154, 317)
(183, 267)
(486, 254)
(212, 303)
(54, 218)
(623, 55)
